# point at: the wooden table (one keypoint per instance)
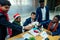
(37, 37)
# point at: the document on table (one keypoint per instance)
(33, 33)
(26, 36)
(44, 34)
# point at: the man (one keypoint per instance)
(30, 19)
(42, 12)
(4, 20)
(53, 25)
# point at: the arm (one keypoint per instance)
(28, 27)
(46, 22)
(47, 12)
(25, 23)
(56, 32)
(5, 23)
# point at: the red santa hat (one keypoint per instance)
(16, 15)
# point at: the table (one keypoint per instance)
(37, 37)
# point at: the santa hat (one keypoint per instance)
(16, 15)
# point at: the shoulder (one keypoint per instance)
(28, 18)
(14, 23)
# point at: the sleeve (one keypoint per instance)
(6, 23)
(47, 12)
(37, 14)
(25, 23)
(46, 22)
(56, 32)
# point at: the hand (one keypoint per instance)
(49, 33)
(28, 27)
(39, 25)
(31, 25)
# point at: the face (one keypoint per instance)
(42, 4)
(18, 19)
(5, 8)
(33, 16)
(55, 20)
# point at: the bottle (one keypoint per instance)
(42, 28)
(32, 38)
(36, 26)
(46, 38)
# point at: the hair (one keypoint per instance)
(33, 13)
(58, 16)
(41, 1)
(5, 2)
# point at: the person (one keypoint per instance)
(54, 26)
(4, 20)
(17, 21)
(30, 20)
(42, 12)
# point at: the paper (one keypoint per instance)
(44, 34)
(26, 35)
(43, 39)
(33, 33)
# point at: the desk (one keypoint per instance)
(37, 37)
